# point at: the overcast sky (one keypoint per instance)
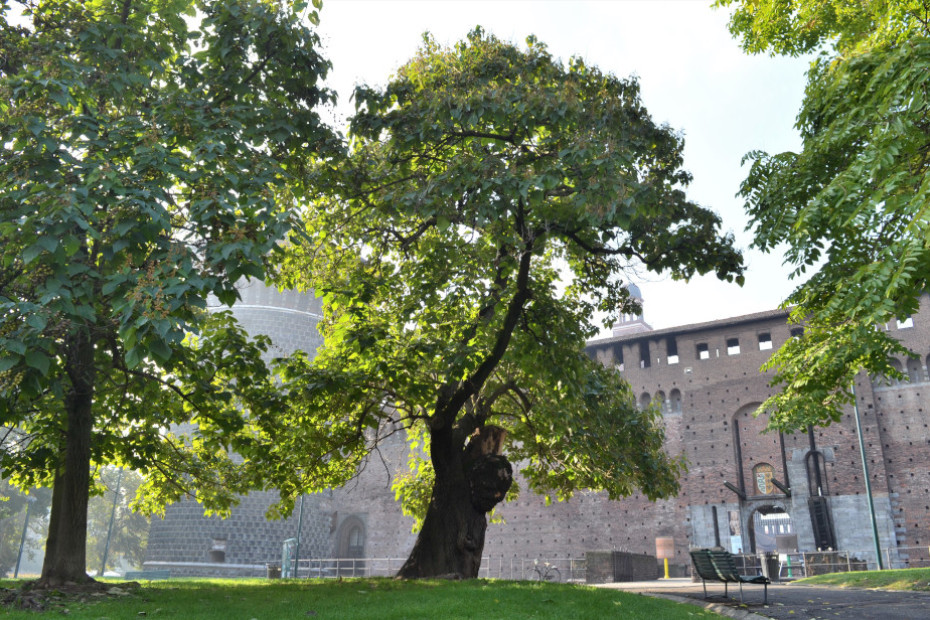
(694, 77)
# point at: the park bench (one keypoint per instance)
(718, 565)
(149, 575)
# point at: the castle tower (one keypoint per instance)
(632, 323)
(187, 542)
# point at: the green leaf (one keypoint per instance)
(38, 360)
(37, 321)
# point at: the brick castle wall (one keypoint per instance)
(708, 377)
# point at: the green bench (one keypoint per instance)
(148, 575)
(718, 565)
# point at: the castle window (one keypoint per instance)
(703, 353)
(905, 323)
(732, 346)
(644, 355)
(765, 342)
(797, 332)
(218, 550)
(671, 348)
(660, 398)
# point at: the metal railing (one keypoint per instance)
(566, 569)
(810, 563)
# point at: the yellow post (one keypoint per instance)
(665, 549)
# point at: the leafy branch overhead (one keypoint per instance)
(490, 204)
(852, 205)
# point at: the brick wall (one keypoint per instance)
(710, 388)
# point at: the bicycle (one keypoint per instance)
(543, 571)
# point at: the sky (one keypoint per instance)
(693, 76)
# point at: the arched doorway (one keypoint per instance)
(766, 524)
(350, 547)
(351, 541)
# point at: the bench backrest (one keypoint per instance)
(703, 564)
(725, 565)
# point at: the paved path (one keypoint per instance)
(791, 601)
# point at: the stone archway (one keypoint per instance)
(350, 543)
(765, 524)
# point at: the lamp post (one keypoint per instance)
(22, 541)
(300, 522)
(868, 484)
(106, 547)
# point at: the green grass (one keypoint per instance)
(917, 579)
(384, 599)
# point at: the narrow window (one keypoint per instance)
(671, 347)
(765, 342)
(703, 352)
(797, 332)
(644, 355)
(732, 346)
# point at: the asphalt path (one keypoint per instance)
(791, 601)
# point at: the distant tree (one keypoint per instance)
(852, 205)
(130, 531)
(151, 155)
(492, 200)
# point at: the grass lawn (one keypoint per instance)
(905, 579)
(383, 599)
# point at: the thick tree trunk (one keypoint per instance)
(451, 541)
(65, 550)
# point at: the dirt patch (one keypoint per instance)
(31, 596)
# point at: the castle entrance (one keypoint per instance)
(767, 522)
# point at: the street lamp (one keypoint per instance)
(868, 484)
(106, 547)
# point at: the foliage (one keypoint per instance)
(362, 599)
(852, 206)
(151, 156)
(492, 199)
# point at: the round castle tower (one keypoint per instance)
(187, 542)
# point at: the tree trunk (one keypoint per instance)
(468, 485)
(65, 550)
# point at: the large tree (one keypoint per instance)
(852, 206)
(491, 204)
(151, 155)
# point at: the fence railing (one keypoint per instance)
(790, 566)
(551, 569)
(810, 563)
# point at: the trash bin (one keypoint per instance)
(273, 571)
(769, 565)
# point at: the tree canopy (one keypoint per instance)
(151, 156)
(852, 205)
(491, 202)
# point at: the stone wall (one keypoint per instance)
(707, 376)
